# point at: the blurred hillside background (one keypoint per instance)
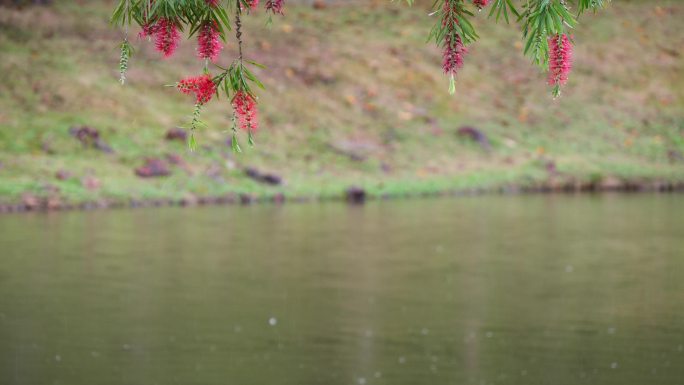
(354, 97)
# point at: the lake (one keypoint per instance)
(539, 289)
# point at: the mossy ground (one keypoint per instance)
(360, 77)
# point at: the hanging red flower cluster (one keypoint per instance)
(560, 61)
(453, 53)
(166, 37)
(202, 87)
(453, 49)
(209, 42)
(246, 111)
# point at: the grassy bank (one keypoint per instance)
(354, 97)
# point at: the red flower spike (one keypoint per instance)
(212, 3)
(560, 60)
(453, 55)
(246, 111)
(453, 49)
(209, 43)
(202, 87)
(166, 37)
(275, 6)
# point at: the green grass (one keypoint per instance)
(340, 75)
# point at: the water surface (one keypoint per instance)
(488, 290)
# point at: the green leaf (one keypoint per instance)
(234, 144)
(259, 65)
(192, 143)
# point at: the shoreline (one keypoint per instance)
(353, 195)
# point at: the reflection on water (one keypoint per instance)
(515, 290)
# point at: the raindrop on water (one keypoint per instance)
(569, 269)
(489, 334)
(611, 330)
(402, 359)
(58, 358)
(272, 321)
(614, 365)
(378, 374)
(361, 381)
(424, 331)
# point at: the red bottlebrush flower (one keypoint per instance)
(208, 42)
(212, 3)
(275, 6)
(202, 87)
(166, 37)
(480, 3)
(246, 111)
(453, 54)
(560, 59)
(453, 48)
